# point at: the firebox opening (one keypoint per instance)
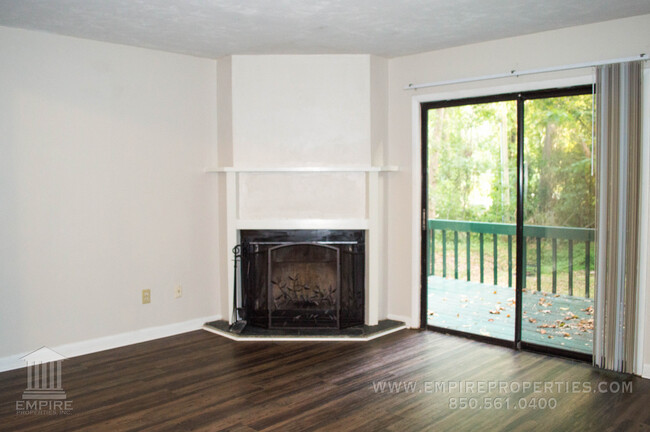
(303, 278)
(304, 285)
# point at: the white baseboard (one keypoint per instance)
(114, 341)
(646, 371)
(404, 318)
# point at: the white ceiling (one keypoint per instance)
(390, 28)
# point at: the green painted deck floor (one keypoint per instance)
(554, 320)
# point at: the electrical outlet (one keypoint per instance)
(146, 296)
(178, 291)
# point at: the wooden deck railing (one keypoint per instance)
(533, 233)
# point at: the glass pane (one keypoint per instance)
(559, 221)
(472, 201)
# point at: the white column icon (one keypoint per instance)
(44, 375)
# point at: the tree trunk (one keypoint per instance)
(505, 167)
(545, 180)
(434, 144)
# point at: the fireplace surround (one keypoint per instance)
(296, 279)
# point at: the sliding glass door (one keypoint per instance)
(559, 221)
(508, 189)
(471, 207)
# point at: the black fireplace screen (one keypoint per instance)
(303, 279)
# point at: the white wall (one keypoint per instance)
(606, 40)
(102, 149)
(307, 110)
(301, 111)
(378, 141)
(102, 189)
(224, 158)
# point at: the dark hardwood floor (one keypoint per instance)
(201, 381)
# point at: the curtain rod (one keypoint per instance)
(516, 73)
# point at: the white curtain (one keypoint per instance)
(618, 108)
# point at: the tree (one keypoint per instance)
(472, 162)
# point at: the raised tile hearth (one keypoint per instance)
(358, 333)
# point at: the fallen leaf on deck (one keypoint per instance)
(586, 324)
(544, 302)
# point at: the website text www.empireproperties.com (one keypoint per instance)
(495, 394)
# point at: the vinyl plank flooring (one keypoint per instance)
(201, 381)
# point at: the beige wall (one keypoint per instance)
(102, 189)
(606, 40)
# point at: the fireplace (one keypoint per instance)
(303, 278)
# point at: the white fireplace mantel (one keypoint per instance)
(371, 223)
(323, 169)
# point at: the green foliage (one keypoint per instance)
(561, 189)
(472, 162)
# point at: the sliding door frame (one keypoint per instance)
(520, 98)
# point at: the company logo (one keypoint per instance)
(44, 394)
